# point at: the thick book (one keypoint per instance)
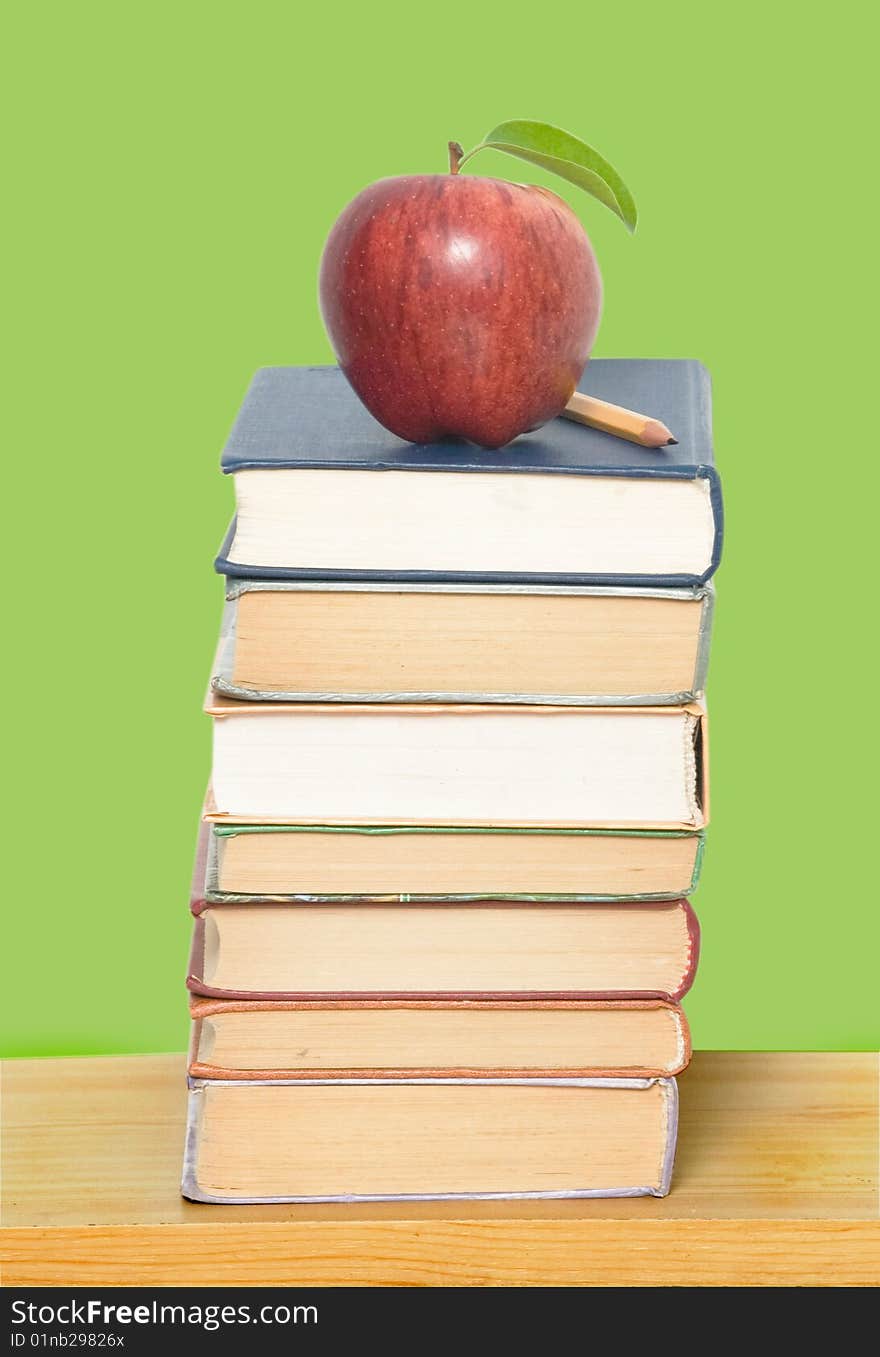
(475, 950)
(454, 1038)
(428, 1139)
(246, 864)
(618, 767)
(324, 492)
(333, 642)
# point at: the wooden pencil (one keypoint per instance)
(614, 419)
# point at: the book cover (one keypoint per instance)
(372, 1038)
(309, 418)
(685, 967)
(657, 881)
(427, 647)
(447, 764)
(355, 1140)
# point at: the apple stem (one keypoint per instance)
(456, 154)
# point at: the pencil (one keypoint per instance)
(651, 433)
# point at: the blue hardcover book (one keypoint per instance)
(323, 492)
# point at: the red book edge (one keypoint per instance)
(196, 984)
(202, 1008)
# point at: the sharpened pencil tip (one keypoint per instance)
(671, 441)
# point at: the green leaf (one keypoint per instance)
(567, 156)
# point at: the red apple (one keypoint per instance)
(459, 306)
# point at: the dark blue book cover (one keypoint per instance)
(310, 418)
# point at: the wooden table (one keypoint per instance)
(775, 1183)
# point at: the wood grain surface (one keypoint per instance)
(775, 1183)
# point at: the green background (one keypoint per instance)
(176, 168)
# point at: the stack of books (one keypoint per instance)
(457, 805)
